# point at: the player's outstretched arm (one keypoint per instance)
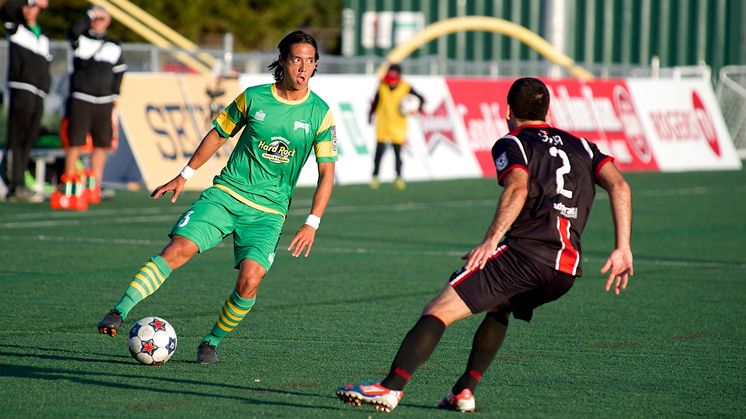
(307, 232)
(510, 205)
(206, 148)
(619, 265)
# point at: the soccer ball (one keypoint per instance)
(409, 105)
(152, 341)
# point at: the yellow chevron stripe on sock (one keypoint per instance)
(236, 309)
(139, 289)
(223, 327)
(156, 272)
(145, 280)
(224, 319)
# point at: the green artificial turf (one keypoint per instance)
(672, 345)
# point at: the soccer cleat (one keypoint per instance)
(463, 402)
(23, 194)
(382, 398)
(375, 183)
(207, 354)
(399, 184)
(110, 324)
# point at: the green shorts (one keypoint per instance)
(216, 214)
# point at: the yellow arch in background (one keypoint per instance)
(489, 24)
(152, 36)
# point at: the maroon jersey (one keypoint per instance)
(562, 170)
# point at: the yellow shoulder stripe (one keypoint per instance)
(327, 122)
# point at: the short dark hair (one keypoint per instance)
(528, 99)
(297, 37)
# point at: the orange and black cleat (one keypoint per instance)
(110, 324)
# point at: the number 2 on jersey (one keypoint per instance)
(561, 171)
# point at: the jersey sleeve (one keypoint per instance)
(232, 118)
(598, 158)
(508, 154)
(325, 145)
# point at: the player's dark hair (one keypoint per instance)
(297, 37)
(528, 99)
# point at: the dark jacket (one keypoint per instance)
(98, 64)
(29, 56)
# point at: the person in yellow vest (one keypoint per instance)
(391, 107)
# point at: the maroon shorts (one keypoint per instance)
(511, 279)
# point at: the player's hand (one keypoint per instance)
(478, 256)
(620, 268)
(176, 185)
(303, 239)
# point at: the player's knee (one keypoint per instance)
(501, 315)
(249, 278)
(178, 252)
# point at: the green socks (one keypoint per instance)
(147, 280)
(233, 311)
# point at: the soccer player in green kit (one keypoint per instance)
(282, 122)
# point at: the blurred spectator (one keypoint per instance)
(98, 67)
(391, 107)
(28, 84)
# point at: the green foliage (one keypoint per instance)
(256, 25)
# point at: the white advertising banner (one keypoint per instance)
(683, 124)
(436, 146)
(648, 125)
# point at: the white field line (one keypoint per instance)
(122, 216)
(361, 251)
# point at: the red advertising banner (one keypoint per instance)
(601, 111)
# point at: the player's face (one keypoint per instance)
(30, 13)
(299, 66)
(100, 22)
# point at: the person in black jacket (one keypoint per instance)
(28, 84)
(98, 67)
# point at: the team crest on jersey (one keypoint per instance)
(305, 126)
(277, 151)
(260, 115)
(501, 162)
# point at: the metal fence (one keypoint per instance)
(149, 58)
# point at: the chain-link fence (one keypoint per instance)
(731, 94)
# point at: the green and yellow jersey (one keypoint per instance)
(278, 137)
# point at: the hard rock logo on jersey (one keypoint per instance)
(277, 151)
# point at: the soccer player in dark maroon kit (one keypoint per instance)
(530, 254)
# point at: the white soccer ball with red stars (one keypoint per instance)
(152, 341)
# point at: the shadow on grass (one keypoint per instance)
(138, 381)
(146, 381)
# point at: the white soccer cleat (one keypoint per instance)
(463, 402)
(383, 399)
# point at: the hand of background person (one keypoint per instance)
(619, 265)
(176, 185)
(303, 239)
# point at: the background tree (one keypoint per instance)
(256, 25)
